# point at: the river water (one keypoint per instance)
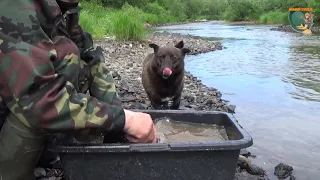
(274, 80)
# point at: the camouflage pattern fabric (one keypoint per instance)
(40, 71)
(47, 65)
(20, 149)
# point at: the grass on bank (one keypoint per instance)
(274, 17)
(125, 27)
(126, 23)
(96, 19)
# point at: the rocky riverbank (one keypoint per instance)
(124, 59)
(288, 28)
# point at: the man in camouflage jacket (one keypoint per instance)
(47, 64)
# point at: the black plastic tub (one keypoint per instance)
(216, 160)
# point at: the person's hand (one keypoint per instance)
(139, 127)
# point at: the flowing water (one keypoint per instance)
(274, 80)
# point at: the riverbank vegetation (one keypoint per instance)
(125, 19)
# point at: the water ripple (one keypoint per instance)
(274, 79)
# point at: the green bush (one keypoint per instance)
(214, 9)
(178, 10)
(96, 19)
(275, 17)
(194, 8)
(240, 11)
(113, 3)
(127, 27)
(151, 18)
(315, 4)
(163, 15)
(155, 8)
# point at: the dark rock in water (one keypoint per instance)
(255, 170)
(231, 108)
(218, 45)
(243, 162)
(283, 171)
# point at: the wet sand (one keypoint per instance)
(175, 131)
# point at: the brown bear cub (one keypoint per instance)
(163, 74)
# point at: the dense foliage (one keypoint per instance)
(233, 10)
(115, 14)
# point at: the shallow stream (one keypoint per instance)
(274, 80)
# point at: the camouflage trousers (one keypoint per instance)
(20, 150)
(21, 147)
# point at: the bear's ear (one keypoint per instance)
(185, 51)
(155, 47)
(179, 45)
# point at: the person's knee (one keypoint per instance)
(20, 149)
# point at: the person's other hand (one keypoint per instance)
(139, 127)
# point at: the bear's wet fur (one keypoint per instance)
(163, 75)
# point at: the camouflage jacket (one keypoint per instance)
(41, 81)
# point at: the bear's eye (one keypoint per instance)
(175, 58)
(162, 57)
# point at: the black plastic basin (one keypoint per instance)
(216, 160)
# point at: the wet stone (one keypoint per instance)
(243, 162)
(209, 102)
(231, 108)
(283, 171)
(255, 170)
